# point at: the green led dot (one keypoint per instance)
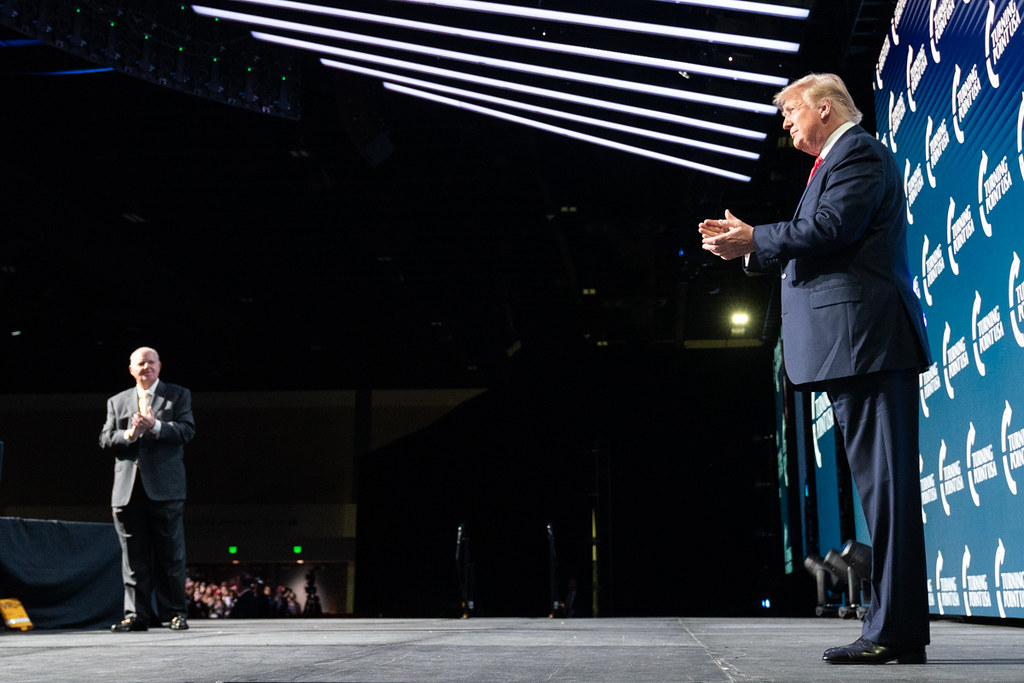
(284, 78)
(111, 24)
(181, 49)
(297, 549)
(232, 549)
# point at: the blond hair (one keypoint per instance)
(814, 89)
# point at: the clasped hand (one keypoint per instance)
(143, 422)
(727, 237)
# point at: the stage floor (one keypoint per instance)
(620, 650)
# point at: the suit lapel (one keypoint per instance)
(813, 189)
(129, 403)
(159, 397)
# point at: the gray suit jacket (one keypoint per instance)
(848, 307)
(160, 462)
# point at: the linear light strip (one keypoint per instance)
(551, 94)
(674, 93)
(523, 88)
(686, 95)
(69, 72)
(545, 111)
(604, 142)
(21, 42)
(607, 22)
(751, 7)
(563, 48)
(540, 92)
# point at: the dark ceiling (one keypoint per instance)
(376, 241)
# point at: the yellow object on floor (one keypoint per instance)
(14, 614)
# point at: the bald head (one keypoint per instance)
(144, 365)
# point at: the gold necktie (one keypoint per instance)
(143, 409)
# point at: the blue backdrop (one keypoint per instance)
(949, 98)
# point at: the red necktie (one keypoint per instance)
(817, 163)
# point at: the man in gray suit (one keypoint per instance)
(147, 428)
(853, 328)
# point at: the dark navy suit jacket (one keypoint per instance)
(161, 461)
(848, 307)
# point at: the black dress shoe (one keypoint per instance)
(864, 651)
(129, 624)
(179, 624)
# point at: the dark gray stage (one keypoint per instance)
(621, 650)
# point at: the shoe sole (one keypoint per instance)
(907, 658)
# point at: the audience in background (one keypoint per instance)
(242, 597)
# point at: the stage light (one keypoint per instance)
(601, 22)
(858, 557)
(837, 565)
(852, 566)
(563, 48)
(568, 133)
(532, 90)
(751, 7)
(739, 321)
(825, 579)
(500, 101)
(814, 564)
(493, 62)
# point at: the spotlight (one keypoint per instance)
(858, 557)
(846, 573)
(739, 323)
(825, 580)
(836, 564)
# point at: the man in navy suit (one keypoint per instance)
(147, 428)
(853, 328)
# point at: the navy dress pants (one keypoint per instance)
(877, 414)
